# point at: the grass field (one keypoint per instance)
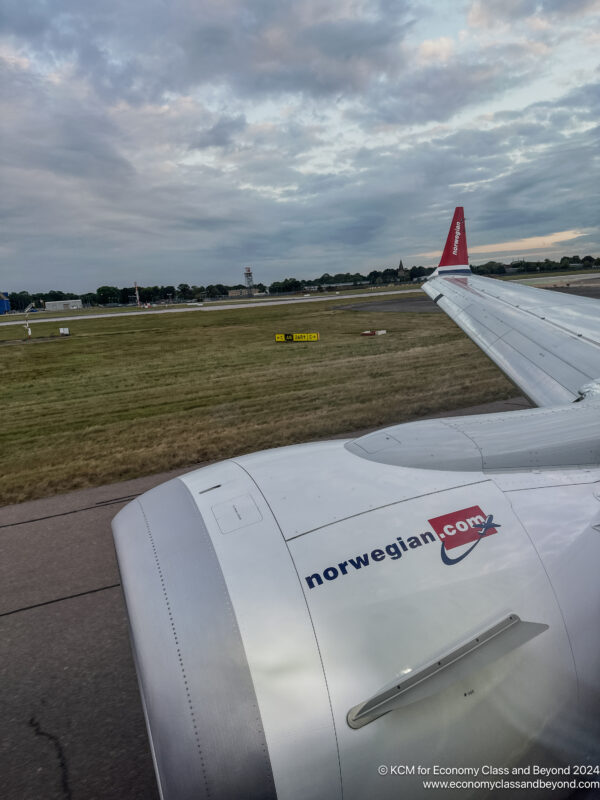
(124, 397)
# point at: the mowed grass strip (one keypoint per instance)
(124, 397)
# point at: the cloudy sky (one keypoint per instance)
(169, 141)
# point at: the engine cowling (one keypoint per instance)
(271, 596)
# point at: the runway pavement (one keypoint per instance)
(72, 723)
(212, 306)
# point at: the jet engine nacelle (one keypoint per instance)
(306, 619)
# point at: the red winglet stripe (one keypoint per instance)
(455, 251)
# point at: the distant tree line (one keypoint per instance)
(114, 295)
(547, 265)
(183, 292)
(20, 300)
(327, 281)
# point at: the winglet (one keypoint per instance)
(455, 258)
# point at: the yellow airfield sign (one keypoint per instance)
(296, 337)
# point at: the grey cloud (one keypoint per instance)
(584, 98)
(259, 47)
(488, 13)
(221, 133)
(206, 223)
(581, 103)
(568, 7)
(349, 38)
(496, 142)
(436, 93)
(69, 139)
(548, 190)
(96, 190)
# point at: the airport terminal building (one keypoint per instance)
(62, 305)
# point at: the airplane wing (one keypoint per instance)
(547, 343)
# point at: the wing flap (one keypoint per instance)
(547, 343)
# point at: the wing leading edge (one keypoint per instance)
(547, 343)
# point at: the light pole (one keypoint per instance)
(26, 326)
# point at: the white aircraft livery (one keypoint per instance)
(413, 609)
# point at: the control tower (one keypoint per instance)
(248, 280)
